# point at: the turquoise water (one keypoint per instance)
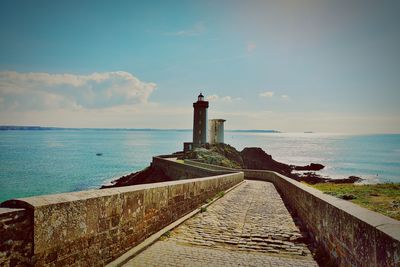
(376, 158)
(54, 161)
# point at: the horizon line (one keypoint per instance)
(37, 127)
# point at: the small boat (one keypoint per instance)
(99, 154)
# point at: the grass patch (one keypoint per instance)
(165, 235)
(180, 161)
(382, 198)
(221, 194)
(203, 209)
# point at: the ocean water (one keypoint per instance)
(53, 161)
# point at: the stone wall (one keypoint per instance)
(179, 171)
(200, 164)
(91, 228)
(352, 235)
(16, 239)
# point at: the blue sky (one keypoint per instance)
(326, 66)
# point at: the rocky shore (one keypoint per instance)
(227, 156)
(256, 158)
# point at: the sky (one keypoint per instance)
(293, 66)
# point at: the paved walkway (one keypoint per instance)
(249, 226)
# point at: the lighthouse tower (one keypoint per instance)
(200, 121)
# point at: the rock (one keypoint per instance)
(220, 154)
(314, 178)
(146, 176)
(310, 167)
(229, 152)
(256, 158)
(395, 204)
(347, 197)
(309, 177)
(350, 180)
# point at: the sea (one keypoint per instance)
(37, 162)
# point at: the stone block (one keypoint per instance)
(93, 217)
(132, 206)
(156, 198)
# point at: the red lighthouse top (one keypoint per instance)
(200, 97)
(201, 103)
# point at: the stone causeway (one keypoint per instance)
(249, 226)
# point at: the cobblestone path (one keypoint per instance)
(249, 226)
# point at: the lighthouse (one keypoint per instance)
(200, 121)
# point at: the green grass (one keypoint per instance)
(165, 235)
(382, 198)
(221, 194)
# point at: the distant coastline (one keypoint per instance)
(40, 128)
(253, 131)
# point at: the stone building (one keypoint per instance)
(216, 131)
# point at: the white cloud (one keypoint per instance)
(212, 97)
(267, 94)
(285, 97)
(227, 98)
(222, 98)
(37, 91)
(197, 29)
(270, 94)
(251, 46)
